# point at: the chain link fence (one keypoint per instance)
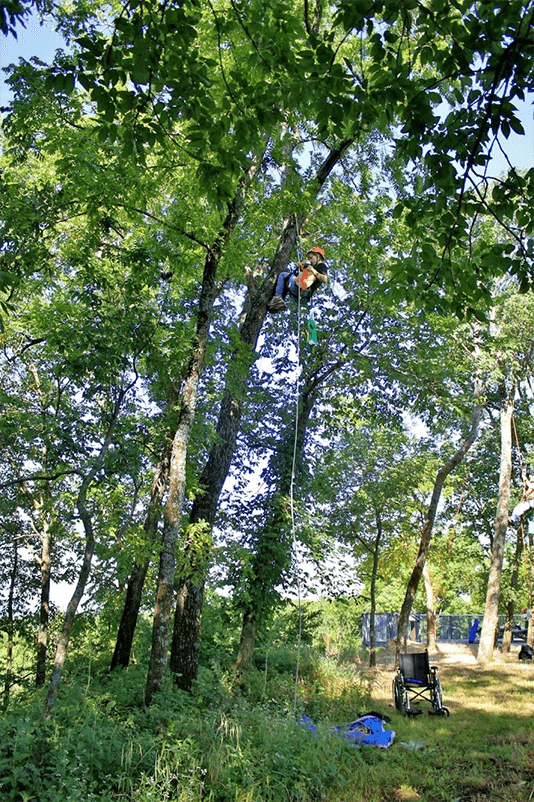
(448, 627)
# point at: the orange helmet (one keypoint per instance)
(317, 250)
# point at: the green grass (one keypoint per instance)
(483, 752)
(225, 744)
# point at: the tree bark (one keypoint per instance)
(178, 460)
(44, 605)
(177, 480)
(186, 634)
(125, 634)
(426, 535)
(490, 623)
(430, 611)
(247, 641)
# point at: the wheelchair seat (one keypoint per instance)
(417, 680)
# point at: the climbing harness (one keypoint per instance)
(304, 279)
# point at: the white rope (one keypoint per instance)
(292, 504)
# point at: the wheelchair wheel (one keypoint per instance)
(398, 694)
(437, 700)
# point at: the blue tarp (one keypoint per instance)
(368, 729)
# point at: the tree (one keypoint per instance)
(94, 332)
(426, 534)
(491, 610)
(147, 129)
(513, 350)
(178, 456)
(350, 68)
(186, 634)
(373, 474)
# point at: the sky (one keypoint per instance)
(34, 40)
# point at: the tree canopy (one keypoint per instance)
(156, 180)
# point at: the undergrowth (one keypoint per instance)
(242, 742)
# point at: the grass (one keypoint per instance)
(244, 745)
(483, 752)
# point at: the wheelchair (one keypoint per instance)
(417, 680)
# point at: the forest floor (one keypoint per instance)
(245, 744)
(483, 752)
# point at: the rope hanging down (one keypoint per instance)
(292, 493)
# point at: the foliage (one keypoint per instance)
(236, 743)
(116, 166)
(244, 743)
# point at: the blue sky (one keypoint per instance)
(33, 40)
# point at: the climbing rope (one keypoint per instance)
(292, 492)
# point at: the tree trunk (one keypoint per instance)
(510, 607)
(44, 606)
(178, 461)
(187, 618)
(490, 623)
(85, 516)
(70, 614)
(125, 634)
(190, 593)
(374, 574)
(177, 480)
(191, 587)
(426, 535)
(430, 611)
(246, 643)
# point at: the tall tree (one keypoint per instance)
(491, 609)
(426, 535)
(512, 350)
(178, 458)
(186, 634)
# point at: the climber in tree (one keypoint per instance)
(311, 274)
(527, 502)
